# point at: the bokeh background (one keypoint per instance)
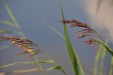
(33, 15)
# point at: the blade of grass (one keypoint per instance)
(40, 66)
(13, 18)
(97, 60)
(7, 65)
(56, 31)
(54, 63)
(106, 47)
(11, 15)
(19, 32)
(69, 46)
(54, 67)
(7, 23)
(111, 67)
(102, 58)
(30, 62)
(5, 31)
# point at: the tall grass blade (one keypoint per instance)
(5, 31)
(106, 47)
(102, 59)
(40, 66)
(69, 47)
(19, 32)
(7, 23)
(7, 65)
(56, 31)
(97, 60)
(37, 61)
(111, 67)
(54, 67)
(11, 15)
(13, 18)
(30, 62)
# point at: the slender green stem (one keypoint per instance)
(55, 63)
(40, 66)
(111, 67)
(63, 72)
(62, 36)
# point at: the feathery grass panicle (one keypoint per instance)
(25, 44)
(87, 31)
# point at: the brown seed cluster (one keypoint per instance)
(25, 44)
(86, 31)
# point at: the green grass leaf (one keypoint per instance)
(5, 31)
(13, 18)
(38, 61)
(7, 65)
(54, 68)
(102, 58)
(112, 2)
(98, 54)
(111, 67)
(7, 23)
(11, 15)
(57, 32)
(30, 62)
(69, 47)
(19, 32)
(105, 46)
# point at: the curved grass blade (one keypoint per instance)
(102, 59)
(40, 65)
(19, 32)
(8, 65)
(31, 62)
(98, 54)
(106, 47)
(111, 67)
(11, 15)
(13, 18)
(69, 46)
(37, 61)
(56, 31)
(7, 23)
(5, 31)
(54, 67)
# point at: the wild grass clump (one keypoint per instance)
(29, 47)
